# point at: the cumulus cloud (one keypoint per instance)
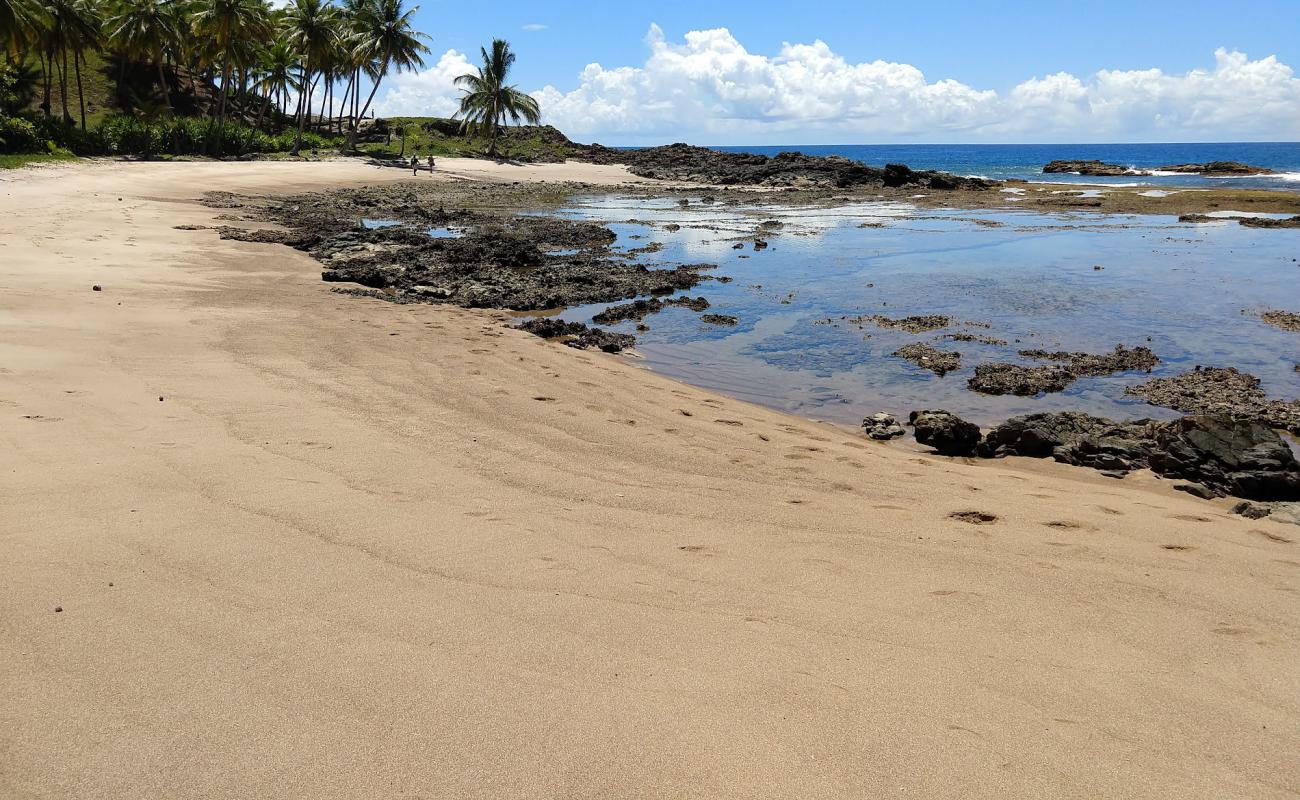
(710, 88)
(428, 93)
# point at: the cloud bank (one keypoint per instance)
(709, 88)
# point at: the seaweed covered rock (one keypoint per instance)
(1018, 380)
(947, 433)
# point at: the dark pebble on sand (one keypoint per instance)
(58, 609)
(97, 288)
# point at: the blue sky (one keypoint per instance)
(991, 45)
(957, 70)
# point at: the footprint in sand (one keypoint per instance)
(1063, 524)
(732, 422)
(1190, 518)
(1177, 547)
(1273, 537)
(974, 517)
(39, 418)
(697, 548)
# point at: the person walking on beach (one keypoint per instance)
(431, 164)
(415, 165)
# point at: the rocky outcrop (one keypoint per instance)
(1087, 168)
(947, 433)
(925, 356)
(1220, 391)
(640, 309)
(1224, 455)
(916, 324)
(1217, 168)
(683, 162)
(578, 335)
(1286, 320)
(882, 427)
(1019, 380)
(1246, 222)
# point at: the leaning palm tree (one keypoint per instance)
(311, 26)
(276, 78)
(488, 102)
(146, 29)
(384, 34)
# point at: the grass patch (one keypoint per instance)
(14, 161)
(435, 136)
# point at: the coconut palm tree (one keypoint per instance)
(146, 29)
(233, 27)
(277, 78)
(488, 101)
(19, 22)
(384, 33)
(70, 25)
(312, 27)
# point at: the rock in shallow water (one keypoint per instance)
(1018, 380)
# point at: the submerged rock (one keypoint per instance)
(882, 426)
(640, 309)
(1019, 380)
(922, 323)
(940, 362)
(1222, 391)
(725, 320)
(1286, 320)
(1122, 359)
(947, 433)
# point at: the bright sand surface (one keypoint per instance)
(366, 550)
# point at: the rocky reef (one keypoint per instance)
(1219, 454)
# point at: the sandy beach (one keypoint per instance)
(265, 540)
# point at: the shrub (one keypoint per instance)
(18, 135)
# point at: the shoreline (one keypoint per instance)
(486, 569)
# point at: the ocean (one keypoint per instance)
(1025, 161)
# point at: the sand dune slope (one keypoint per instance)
(314, 546)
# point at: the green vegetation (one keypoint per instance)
(14, 161)
(214, 77)
(401, 137)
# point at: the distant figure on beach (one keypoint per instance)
(430, 164)
(415, 165)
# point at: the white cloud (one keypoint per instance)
(429, 93)
(710, 89)
(535, 26)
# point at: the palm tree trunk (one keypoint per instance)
(261, 112)
(63, 84)
(345, 107)
(81, 95)
(221, 110)
(302, 104)
(47, 67)
(162, 82)
(352, 133)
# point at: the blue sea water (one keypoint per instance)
(1025, 161)
(1055, 281)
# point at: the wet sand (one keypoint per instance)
(308, 545)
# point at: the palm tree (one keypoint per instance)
(488, 102)
(19, 22)
(232, 26)
(146, 29)
(69, 25)
(276, 79)
(311, 29)
(383, 30)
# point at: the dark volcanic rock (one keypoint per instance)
(883, 427)
(577, 335)
(1072, 437)
(1251, 510)
(1223, 455)
(1230, 456)
(640, 309)
(1122, 359)
(1215, 390)
(1088, 168)
(940, 362)
(682, 162)
(947, 433)
(726, 320)
(1019, 380)
(1213, 168)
